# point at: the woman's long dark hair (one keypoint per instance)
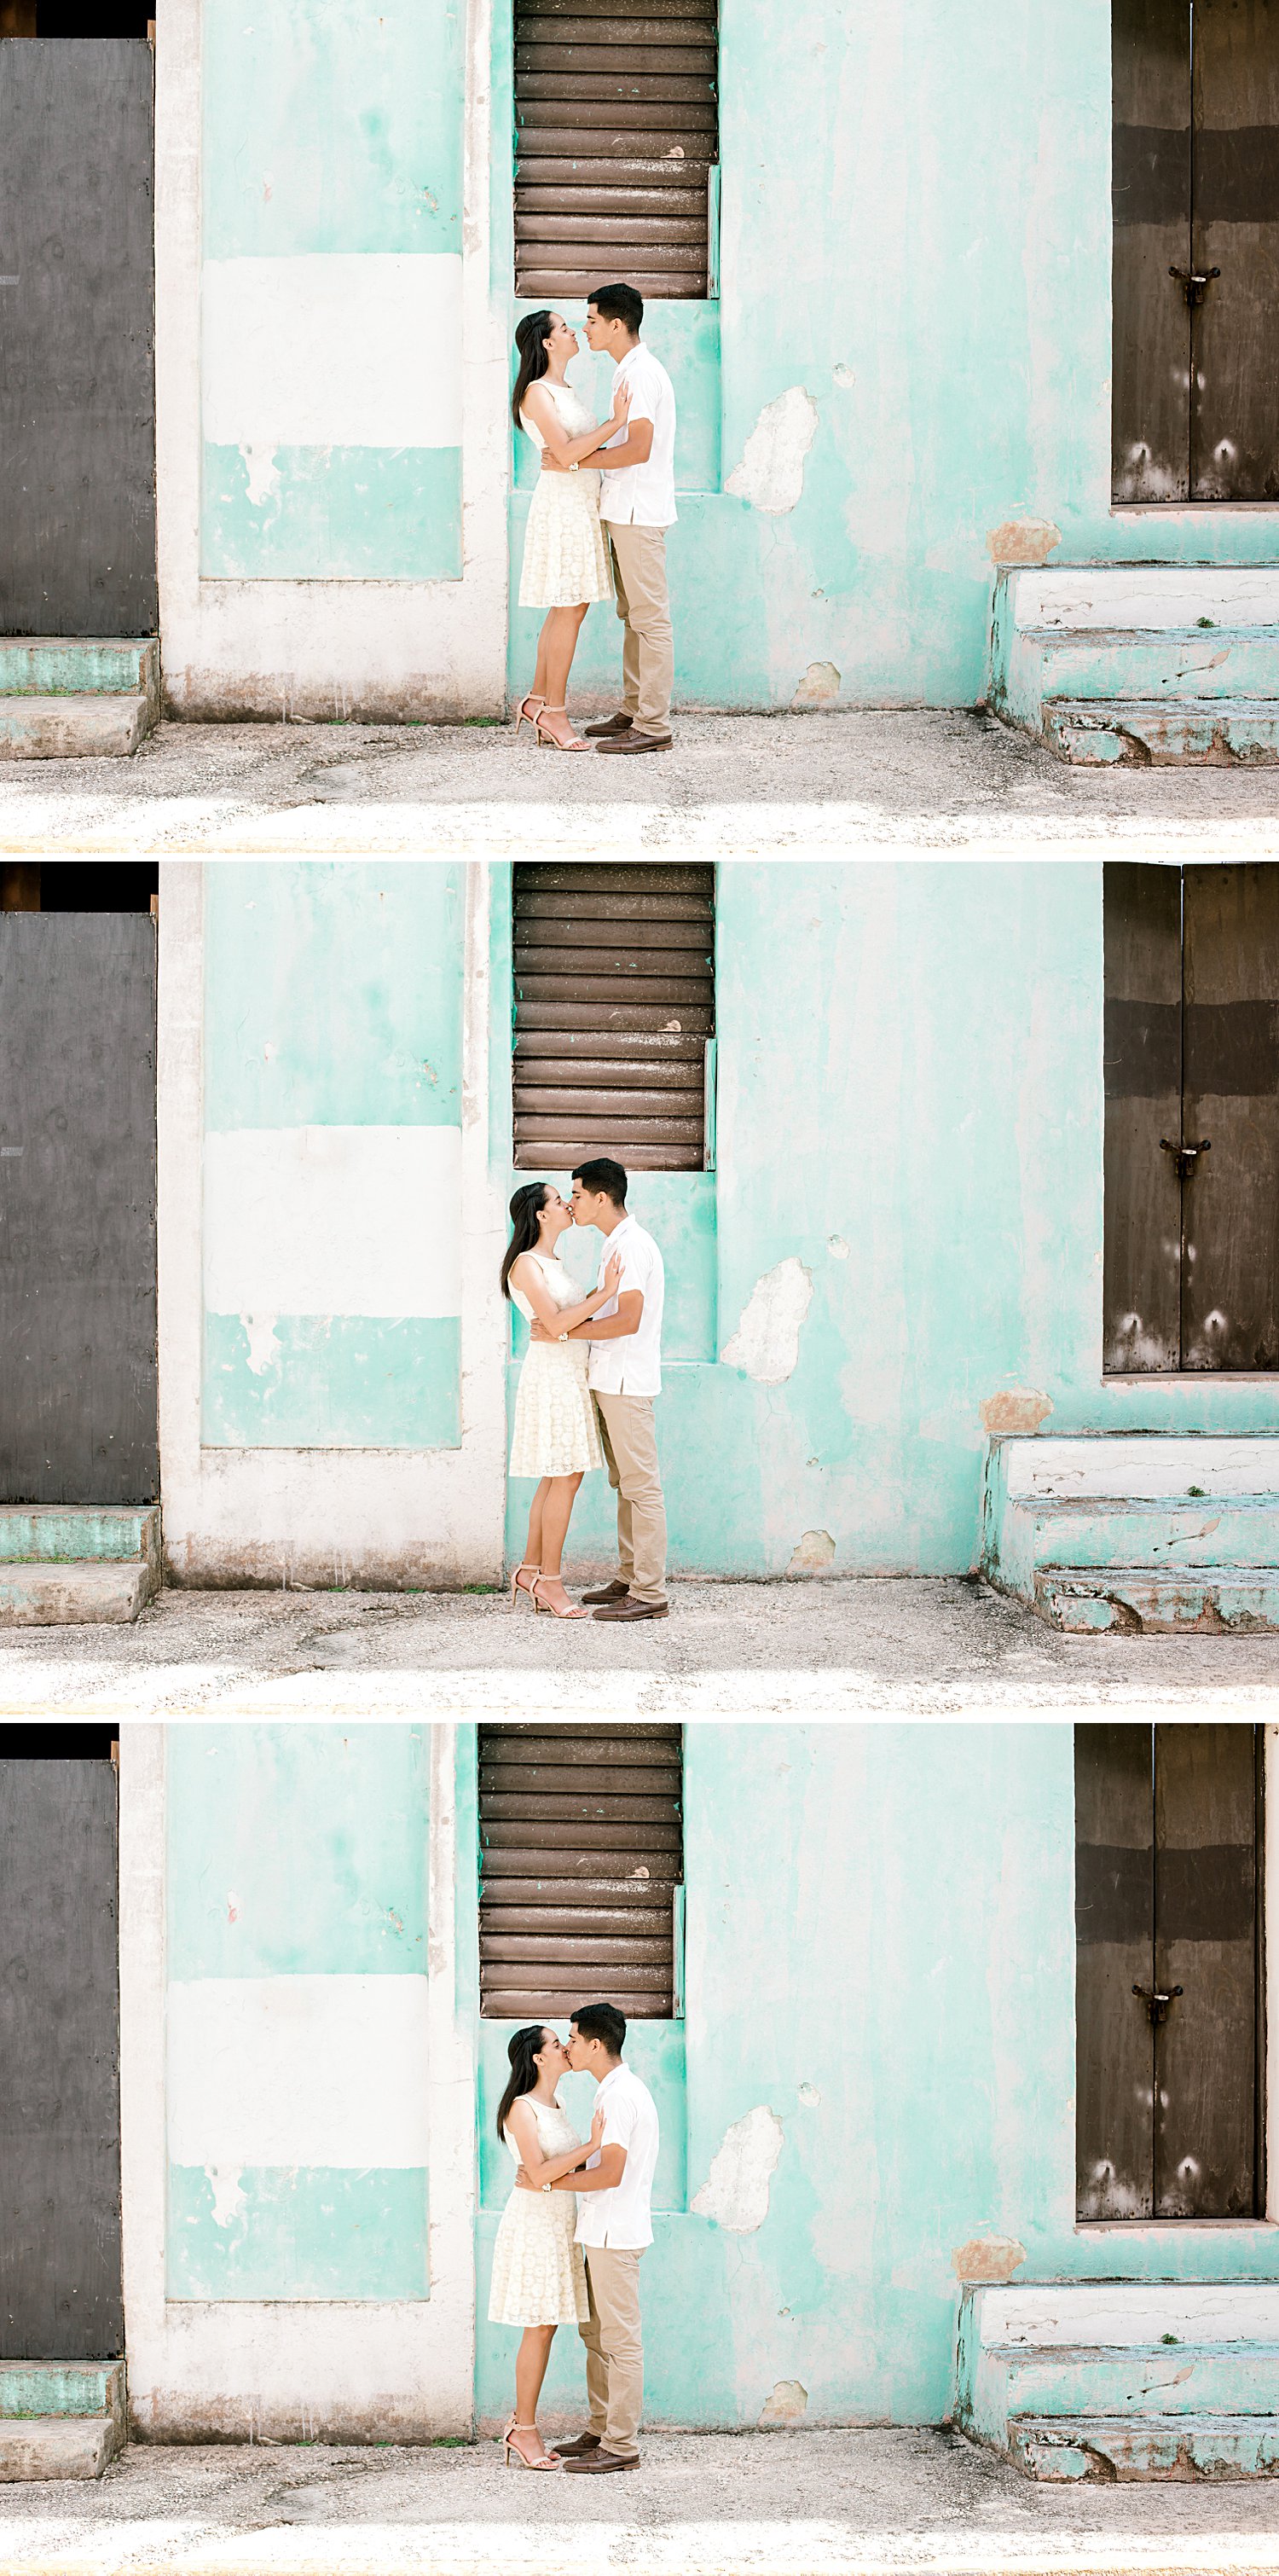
(530, 339)
(526, 1208)
(523, 2053)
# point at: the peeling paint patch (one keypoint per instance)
(771, 473)
(789, 2401)
(809, 2095)
(735, 2192)
(1022, 541)
(228, 2198)
(265, 1347)
(837, 1247)
(1015, 1408)
(813, 1554)
(766, 1342)
(263, 476)
(820, 684)
(987, 2258)
(844, 376)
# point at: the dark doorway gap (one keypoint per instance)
(75, 18)
(79, 885)
(55, 1743)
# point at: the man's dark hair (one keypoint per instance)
(618, 304)
(604, 1177)
(602, 2021)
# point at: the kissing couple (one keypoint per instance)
(584, 542)
(585, 1396)
(571, 2235)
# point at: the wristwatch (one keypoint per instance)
(575, 467)
(548, 2186)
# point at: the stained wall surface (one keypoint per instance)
(869, 2098)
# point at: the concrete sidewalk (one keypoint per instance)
(729, 2505)
(833, 1646)
(796, 784)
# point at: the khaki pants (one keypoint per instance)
(614, 2346)
(628, 1436)
(648, 649)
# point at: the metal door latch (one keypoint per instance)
(1156, 2000)
(1194, 282)
(1187, 1157)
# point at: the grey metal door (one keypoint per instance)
(77, 1208)
(1195, 175)
(1191, 1276)
(60, 2291)
(1167, 1910)
(77, 398)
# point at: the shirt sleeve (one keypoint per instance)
(642, 397)
(619, 2122)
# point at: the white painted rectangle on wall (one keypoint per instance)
(333, 1221)
(333, 349)
(308, 2070)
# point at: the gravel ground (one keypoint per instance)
(745, 2503)
(912, 776)
(833, 1646)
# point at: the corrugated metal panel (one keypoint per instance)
(614, 1005)
(581, 1849)
(617, 130)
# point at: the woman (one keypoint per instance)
(556, 1435)
(539, 2277)
(565, 557)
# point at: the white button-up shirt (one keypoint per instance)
(632, 1364)
(643, 496)
(624, 2215)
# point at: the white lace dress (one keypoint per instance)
(556, 1432)
(565, 557)
(539, 2276)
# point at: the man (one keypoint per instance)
(624, 1376)
(614, 2224)
(637, 506)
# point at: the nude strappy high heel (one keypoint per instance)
(547, 2461)
(527, 1589)
(528, 710)
(571, 1612)
(574, 743)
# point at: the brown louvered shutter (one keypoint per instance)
(617, 132)
(614, 1009)
(581, 1851)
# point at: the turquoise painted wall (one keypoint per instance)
(332, 128)
(910, 1105)
(333, 1002)
(880, 1950)
(296, 1873)
(915, 231)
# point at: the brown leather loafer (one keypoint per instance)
(607, 1592)
(615, 724)
(598, 2463)
(629, 1609)
(632, 740)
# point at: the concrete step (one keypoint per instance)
(1183, 658)
(44, 1533)
(1138, 2449)
(60, 2419)
(1132, 1600)
(1152, 733)
(79, 726)
(56, 2446)
(69, 1595)
(1052, 2355)
(48, 666)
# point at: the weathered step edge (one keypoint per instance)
(1144, 2449)
(1168, 1603)
(1137, 733)
(88, 1593)
(78, 726)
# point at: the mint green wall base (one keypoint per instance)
(334, 513)
(334, 1382)
(299, 2234)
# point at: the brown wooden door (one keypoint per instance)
(1191, 1278)
(1167, 1908)
(1195, 298)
